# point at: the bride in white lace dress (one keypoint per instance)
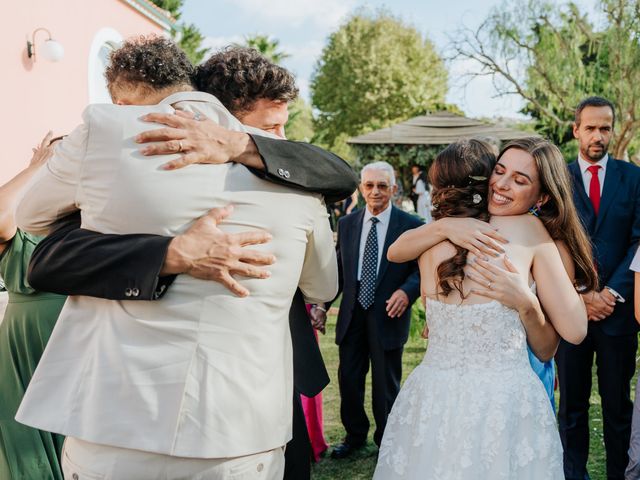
(474, 408)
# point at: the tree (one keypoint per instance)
(553, 56)
(300, 124)
(267, 46)
(188, 36)
(190, 40)
(171, 6)
(374, 71)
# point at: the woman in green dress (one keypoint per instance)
(25, 453)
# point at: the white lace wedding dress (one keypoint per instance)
(473, 409)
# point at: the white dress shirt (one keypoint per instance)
(381, 228)
(586, 174)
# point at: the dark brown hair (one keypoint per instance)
(239, 76)
(459, 176)
(150, 62)
(594, 102)
(558, 213)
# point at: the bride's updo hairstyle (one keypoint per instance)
(459, 177)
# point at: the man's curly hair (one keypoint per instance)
(239, 76)
(149, 61)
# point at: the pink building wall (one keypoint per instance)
(40, 96)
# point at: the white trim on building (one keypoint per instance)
(104, 41)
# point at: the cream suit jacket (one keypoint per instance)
(200, 372)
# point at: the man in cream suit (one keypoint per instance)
(197, 384)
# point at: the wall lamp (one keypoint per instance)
(50, 49)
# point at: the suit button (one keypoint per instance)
(128, 292)
(286, 174)
(135, 292)
(281, 172)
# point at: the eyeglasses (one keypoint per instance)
(383, 187)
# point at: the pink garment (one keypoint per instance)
(312, 407)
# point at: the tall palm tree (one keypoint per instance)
(266, 46)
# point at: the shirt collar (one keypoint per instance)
(584, 164)
(383, 216)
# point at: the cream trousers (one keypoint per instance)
(90, 461)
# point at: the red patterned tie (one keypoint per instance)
(594, 187)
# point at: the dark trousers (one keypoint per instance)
(297, 455)
(360, 346)
(615, 362)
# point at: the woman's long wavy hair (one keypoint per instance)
(460, 179)
(558, 213)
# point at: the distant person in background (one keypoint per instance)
(398, 197)
(607, 196)
(29, 318)
(351, 203)
(420, 193)
(417, 184)
(375, 311)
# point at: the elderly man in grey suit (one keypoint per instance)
(193, 386)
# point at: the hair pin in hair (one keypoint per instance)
(477, 198)
(476, 178)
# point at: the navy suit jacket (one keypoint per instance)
(393, 332)
(614, 233)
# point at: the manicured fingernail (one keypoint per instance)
(167, 166)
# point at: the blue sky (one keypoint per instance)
(302, 26)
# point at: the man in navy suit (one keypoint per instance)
(373, 323)
(607, 196)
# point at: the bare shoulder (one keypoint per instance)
(438, 253)
(525, 229)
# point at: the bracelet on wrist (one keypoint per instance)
(320, 308)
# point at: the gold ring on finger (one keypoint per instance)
(179, 146)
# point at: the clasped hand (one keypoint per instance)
(599, 304)
(505, 285)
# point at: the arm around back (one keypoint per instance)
(306, 166)
(74, 261)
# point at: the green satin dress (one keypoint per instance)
(25, 453)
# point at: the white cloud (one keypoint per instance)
(303, 85)
(325, 14)
(477, 96)
(216, 43)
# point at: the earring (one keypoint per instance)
(535, 210)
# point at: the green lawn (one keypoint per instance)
(362, 464)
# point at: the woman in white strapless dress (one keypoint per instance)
(474, 408)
